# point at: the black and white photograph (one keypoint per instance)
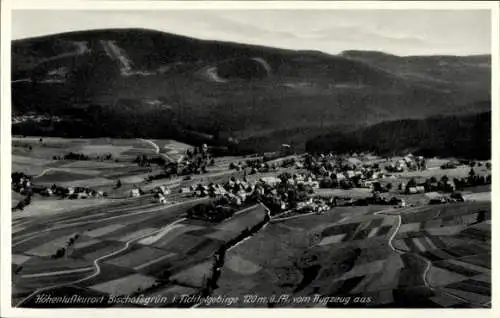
(249, 157)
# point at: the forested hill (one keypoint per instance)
(146, 83)
(466, 136)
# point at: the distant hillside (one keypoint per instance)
(135, 82)
(466, 136)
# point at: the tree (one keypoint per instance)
(472, 173)
(412, 182)
(444, 179)
(326, 183)
(285, 176)
(20, 205)
(118, 184)
(388, 186)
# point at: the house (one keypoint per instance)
(82, 195)
(366, 184)
(47, 192)
(161, 189)
(235, 200)
(450, 185)
(420, 189)
(283, 205)
(135, 193)
(349, 174)
(340, 176)
(402, 204)
(242, 195)
(70, 190)
(161, 199)
(457, 197)
(299, 165)
(272, 181)
(435, 198)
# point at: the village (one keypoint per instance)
(81, 205)
(286, 182)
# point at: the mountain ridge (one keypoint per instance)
(234, 89)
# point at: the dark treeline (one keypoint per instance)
(467, 136)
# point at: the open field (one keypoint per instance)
(134, 247)
(336, 254)
(355, 193)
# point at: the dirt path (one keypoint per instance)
(43, 172)
(152, 144)
(157, 149)
(212, 75)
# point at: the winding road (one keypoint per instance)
(95, 266)
(427, 261)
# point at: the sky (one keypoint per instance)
(400, 32)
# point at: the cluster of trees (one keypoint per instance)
(72, 156)
(324, 165)
(24, 202)
(375, 199)
(472, 180)
(143, 161)
(446, 184)
(466, 136)
(212, 212)
(210, 282)
(20, 180)
(198, 159)
(22, 183)
(331, 182)
(81, 156)
(64, 250)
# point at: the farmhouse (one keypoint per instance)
(47, 192)
(160, 198)
(272, 181)
(185, 190)
(436, 198)
(161, 190)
